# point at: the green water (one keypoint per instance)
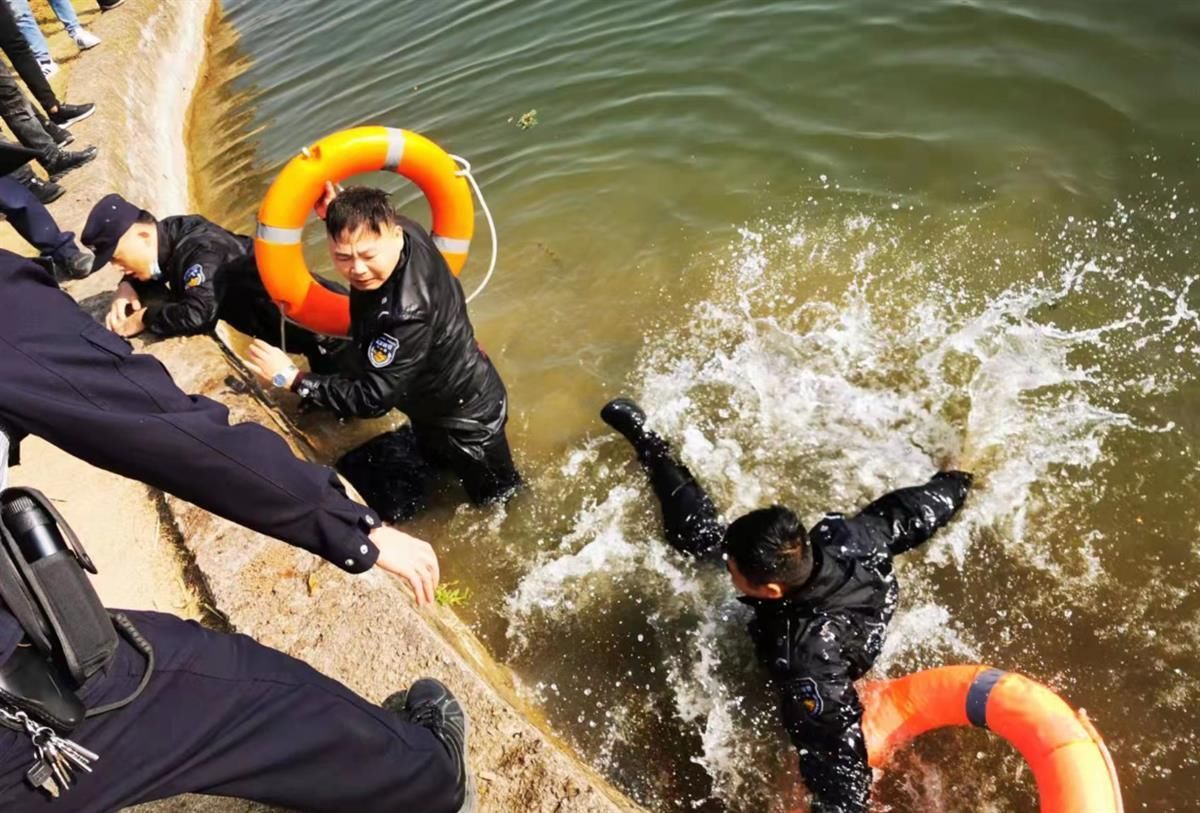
(830, 245)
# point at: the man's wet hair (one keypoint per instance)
(770, 545)
(359, 207)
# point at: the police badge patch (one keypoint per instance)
(194, 276)
(382, 350)
(809, 695)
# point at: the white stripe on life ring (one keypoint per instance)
(451, 245)
(275, 234)
(395, 153)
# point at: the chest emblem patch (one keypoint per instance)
(194, 276)
(382, 350)
(809, 695)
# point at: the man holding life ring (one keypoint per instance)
(822, 598)
(415, 351)
(184, 273)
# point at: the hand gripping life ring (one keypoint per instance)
(1071, 765)
(281, 218)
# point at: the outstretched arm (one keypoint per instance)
(395, 359)
(193, 304)
(913, 514)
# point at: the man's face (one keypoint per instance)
(136, 252)
(365, 257)
(769, 591)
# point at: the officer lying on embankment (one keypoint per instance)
(184, 273)
(415, 351)
(822, 599)
(221, 714)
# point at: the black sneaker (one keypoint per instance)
(75, 266)
(61, 135)
(68, 114)
(63, 162)
(430, 704)
(626, 417)
(109, 6)
(45, 191)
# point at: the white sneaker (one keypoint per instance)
(49, 67)
(85, 39)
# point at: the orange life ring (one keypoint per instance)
(1072, 766)
(285, 209)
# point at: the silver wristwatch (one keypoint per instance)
(284, 378)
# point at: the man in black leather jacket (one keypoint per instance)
(822, 599)
(184, 273)
(415, 352)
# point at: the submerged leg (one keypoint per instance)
(390, 473)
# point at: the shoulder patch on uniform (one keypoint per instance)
(382, 350)
(809, 695)
(194, 276)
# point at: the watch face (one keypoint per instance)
(279, 380)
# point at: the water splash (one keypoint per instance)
(823, 366)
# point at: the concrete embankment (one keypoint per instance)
(362, 630)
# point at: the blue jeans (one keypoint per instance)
(29, 27)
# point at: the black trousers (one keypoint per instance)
(394, 472)
(225, 716)
(34, 222)
(20, 117)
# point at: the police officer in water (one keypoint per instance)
(822, 598)
(182, 274)
(416, 352)
(218, 714)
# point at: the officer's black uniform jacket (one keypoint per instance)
(416, 348)
(66, 379)
(208, 273)
(825, 635)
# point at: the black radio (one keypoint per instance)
(44, 584)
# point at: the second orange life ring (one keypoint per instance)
(1071, 765)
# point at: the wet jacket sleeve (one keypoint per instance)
(192, 305)
(149, 292)
(375, 390)
(823, 717)
(912, 515)
(68, 380)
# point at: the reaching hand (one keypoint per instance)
(321, 207)
(124, 303)
(409, 558)
(131, 325)
(266, 360)
(964, 477)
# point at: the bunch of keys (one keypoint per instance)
(56, 759)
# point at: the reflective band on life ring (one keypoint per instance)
(1070, 763)
(290, 200)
